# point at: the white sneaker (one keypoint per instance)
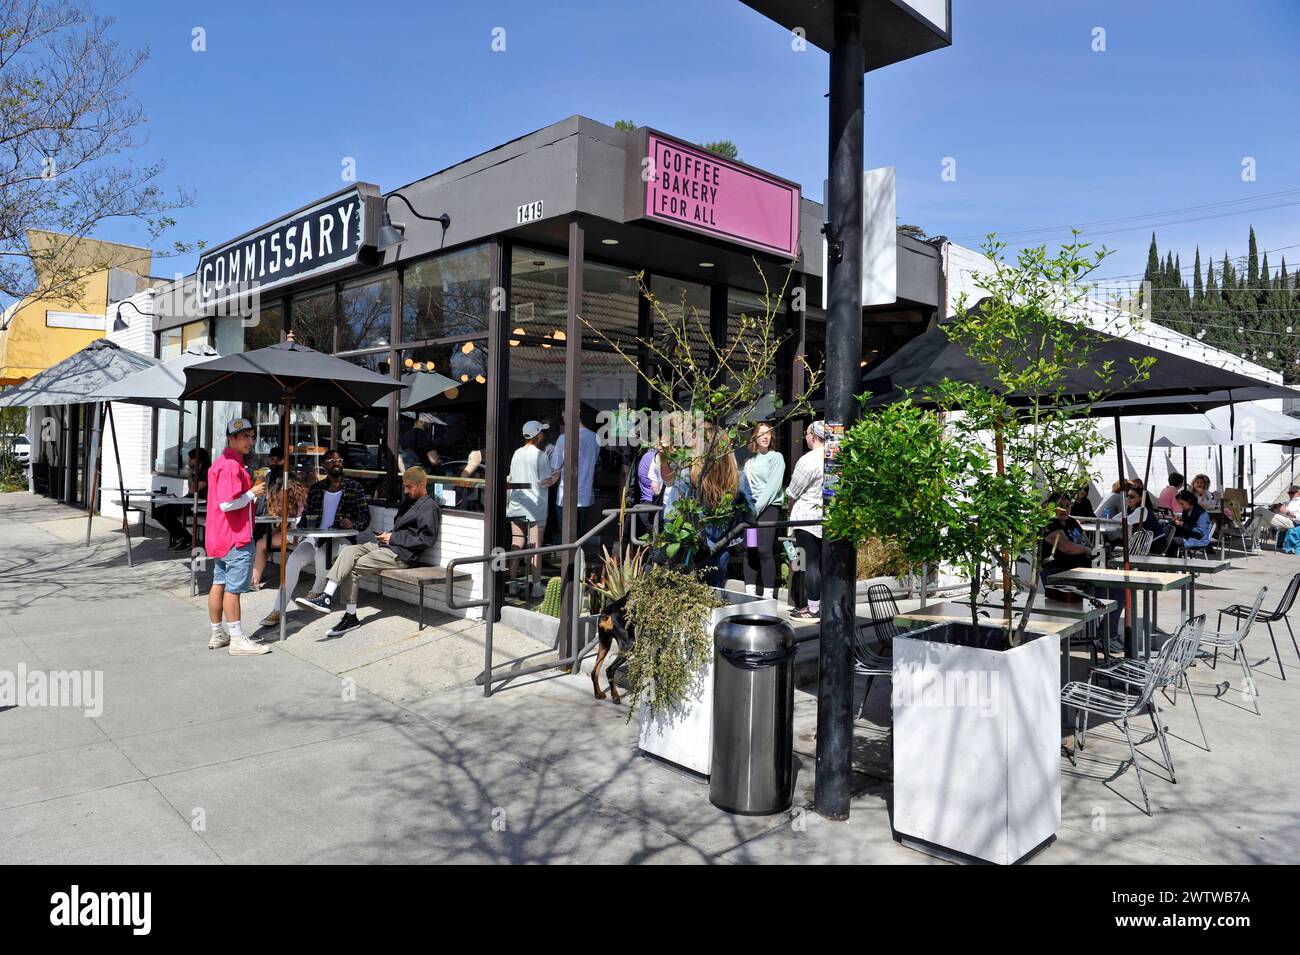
(219, 639)
(241, 646)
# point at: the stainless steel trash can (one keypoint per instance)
(753, 715)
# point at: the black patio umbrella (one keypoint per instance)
(285, 374)
(1175, 385)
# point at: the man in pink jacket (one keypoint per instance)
(229, 539)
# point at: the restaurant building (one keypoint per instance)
(516, 270)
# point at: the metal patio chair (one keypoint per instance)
(873, 642)
(1087, 699)
(1270, 617)
(1221, 640)
(1136, 672)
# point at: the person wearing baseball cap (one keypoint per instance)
(531, 470)
(229, 539)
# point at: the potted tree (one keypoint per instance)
(707, 399)
(959, 478)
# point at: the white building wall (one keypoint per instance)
(1269, 464)
(134, 423)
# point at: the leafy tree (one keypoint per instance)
(986, 505)
(67, 119)
(723, 147)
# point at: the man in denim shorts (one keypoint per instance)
(229, 539)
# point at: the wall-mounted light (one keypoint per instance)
(119, 323)
(706, 265)
(391, 235)
(609, 241)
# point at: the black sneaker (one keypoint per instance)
(319, 603)
(347, 623)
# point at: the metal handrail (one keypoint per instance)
(576, 654)
(489, 588)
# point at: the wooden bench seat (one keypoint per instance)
(421, 575)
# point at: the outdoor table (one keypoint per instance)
(1192, 566)
(1097, 525)
(1090, 610)
(1146, 581)
(951, 611)
(328, 534)
(152, 498)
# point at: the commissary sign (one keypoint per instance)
(327, 235)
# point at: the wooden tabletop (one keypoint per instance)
(1188, 565)
(950, 611)
(1128, 579)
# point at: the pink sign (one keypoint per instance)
(698, 190)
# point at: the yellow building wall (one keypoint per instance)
(28, 345)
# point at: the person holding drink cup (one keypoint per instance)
(232, 497)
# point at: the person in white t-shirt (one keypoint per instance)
(526, 507)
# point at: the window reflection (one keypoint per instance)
(366, 313)
(447, 295)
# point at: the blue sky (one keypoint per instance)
(1044, 130)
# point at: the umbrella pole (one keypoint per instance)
(1146, 478)
(93, 461)
(284, 515)
(121, 486)
(1186, 479)
(1129, 649)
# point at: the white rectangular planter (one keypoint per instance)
(684, 735)
(977, 746)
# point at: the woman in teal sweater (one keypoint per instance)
(764, 475)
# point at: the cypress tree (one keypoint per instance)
(1252, 273)
(1198, 290)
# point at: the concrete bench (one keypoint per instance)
(420, 575)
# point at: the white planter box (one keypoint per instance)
(977, 746)
(684, 735)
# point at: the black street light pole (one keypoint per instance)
(844, 345)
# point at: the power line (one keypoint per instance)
(1236, 259)
(1147, 215)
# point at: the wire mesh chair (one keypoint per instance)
(1139, 544)
(873, 651)
(1234, 640)
(1270, 617)
(1136, 672)
(1087, 699)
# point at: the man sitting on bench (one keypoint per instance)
(414, 531)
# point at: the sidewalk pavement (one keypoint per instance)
(378, 746)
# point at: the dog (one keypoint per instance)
(612, 626)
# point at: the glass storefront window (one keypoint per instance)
(168, 429)
(755, 307)
(539, 294)
(450, 382)
(447, 295)
(313, 320)
(684, 305)
(366, 314)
